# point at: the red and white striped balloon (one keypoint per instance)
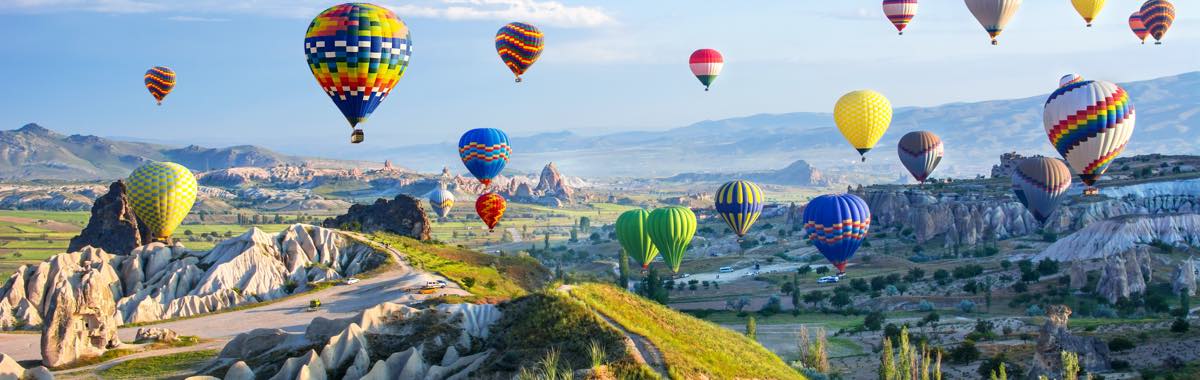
(706, 65)
(900, 12)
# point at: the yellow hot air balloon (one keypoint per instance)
(1088, 9)
(162, 194)
(863, 116)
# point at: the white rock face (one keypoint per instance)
(80, 309)
(1118, 235)
(1184, 279)
(239, 371)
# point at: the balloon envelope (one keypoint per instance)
(519, 46)
(671, 229)
(484, 151)
(162, 194)
(634, 236)
(1069, 79)
(706, 65)
(900, 12)
(920, 152)
(1157, 16)
(1040, 184)
(357, 52)
(739, 203)
(441, 200)
(1089, 123)
(490, 207)
(160, 80)
(863, 116)
(1088, 9)
(1138, 27)
(837, 225)
(993, 15)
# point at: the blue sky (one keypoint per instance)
(608, 65)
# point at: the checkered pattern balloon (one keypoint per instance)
(162, 194)
(863, 116)
(357, 52)
(160, 80)
(519, 45)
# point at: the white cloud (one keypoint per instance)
(546, 12)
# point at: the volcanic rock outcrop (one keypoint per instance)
(1117, 235)
(403, 215)
(78, 308)
(388, 341)
(10, 369)
(1054, 338)
(1184, 279)
(113, 226)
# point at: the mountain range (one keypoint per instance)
(33, 152)
(975, 134)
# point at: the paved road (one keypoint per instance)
(290, 314)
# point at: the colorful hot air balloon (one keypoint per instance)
(739, 203)
(1089, 123)
(441, 200)
(671, 229)
(1088, 9)
(1138, 27)
(519, 45)
(484, 151)
(1158, 15)
(634, 238)
(490, 207)
(706, 64)
(357, 52)
(837, 225)
(993, 15)
(900, 12)
(160, 80)
(1069, 79)
(1040, 183)
(920, 152)
(863, 116)
(162, 194)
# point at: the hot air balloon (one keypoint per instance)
(519, 45)
(162, 194)
(1088, 9)
(920, 152)
(1069, 79)
(357, 52)
(1158, 15)
(863, 116)
(1089, 123)
(1040, 183)
(706, 65)
(634, 238)
(441, 200)
(900, 12)
(837, 225)
(739, 203)
(993, 15)
(160, 80)
(490, 207)
(671, 230)
(1138, 27)
(484, 151)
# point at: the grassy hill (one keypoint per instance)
(489, 278)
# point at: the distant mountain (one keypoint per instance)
(33, 152)
(976, 134)
(799, 173)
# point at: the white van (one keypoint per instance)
(726, 270)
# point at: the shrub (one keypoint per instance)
(772, 307)
(1120, 343)
(1180, 326)
(468, 282)
(964, 353)
(1034, 311)
(925, 306)
(874, 321)
(966, 306)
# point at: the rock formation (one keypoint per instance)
(344, 348)
(1114, 236)
(113, 227)
(1184, 279)
(79, 308)
(154, 334)
(11, 370)
(1008, 162)
(551, 183)
(1054, 337)
(403, 215)
(1124, 275)
(959, 220)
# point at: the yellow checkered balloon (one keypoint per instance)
(863, 116)
(162, 194)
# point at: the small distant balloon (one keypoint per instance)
(671, 230)
(485, 152)
(160, 80)
(633, 234)
(441, 200)
(706, 65)
(900, 12)
(1138, 27)
(519, 46)
(920, 152)
(1158, 15)
(994, 15)
(161, 195)
(739, 203)
(863, 117)
(1088, 9)
(837, 224)
(1040, 184)
(490, 208)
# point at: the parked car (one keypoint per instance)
(828, 279)
(435, 284)
(351, 281)
(726, 270)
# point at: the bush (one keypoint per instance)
(1034, 311)
(1120, 343)
(1119, 365)
(925, 306)
(1013, 370)
(1180, 326)
(1020, 287)
(468, 282)
(772, 307)
(967, 306)
(874, 321)
(965, 353)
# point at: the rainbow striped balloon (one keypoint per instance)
(1158, 15)
(519, 45)
(1138, 27)
(1069, 79)
(160, 80)
(706, 65)
(1089, 123)
(900, 12)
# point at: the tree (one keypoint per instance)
(546, 241)
(468, 282)
(751, 328)
(887, 363)
(941, 276)
(574, 235)
(652, 288)
(623, 270)
(840, 300)
(1001, 375)
(1180, 326)
(821, 270)
(1070, 366)
(964, 353)
(815, 297)
(914, 274)
(788, 287)
(874, 320)
(585, 223)
(804, 270)
(1047, 267)
(187, 232)
(813, 349)
(878, 283)
(738, 304)
(859, 285)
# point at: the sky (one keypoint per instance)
(612, 65)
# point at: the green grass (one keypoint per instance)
(692, 347)
(1089, 322)
(496, 277)
(158, 366)
(79, 218)
(830, 321)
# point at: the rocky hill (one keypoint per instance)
(798, 173)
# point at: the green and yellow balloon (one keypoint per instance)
(162, 194)
(634, 237)
(671, 229)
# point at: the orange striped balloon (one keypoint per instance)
(160, 80)
(1158, 15)
(490, 208)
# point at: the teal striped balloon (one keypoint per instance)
(671, 229)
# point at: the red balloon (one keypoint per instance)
(490, 208)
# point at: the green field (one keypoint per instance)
(157, 367)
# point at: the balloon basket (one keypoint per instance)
(994, 42)
(356, 136)
(1091, 191)
(518, 79)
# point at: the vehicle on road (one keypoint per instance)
(828, 280)
(435, 284)
(351, 281)
(726, 270)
